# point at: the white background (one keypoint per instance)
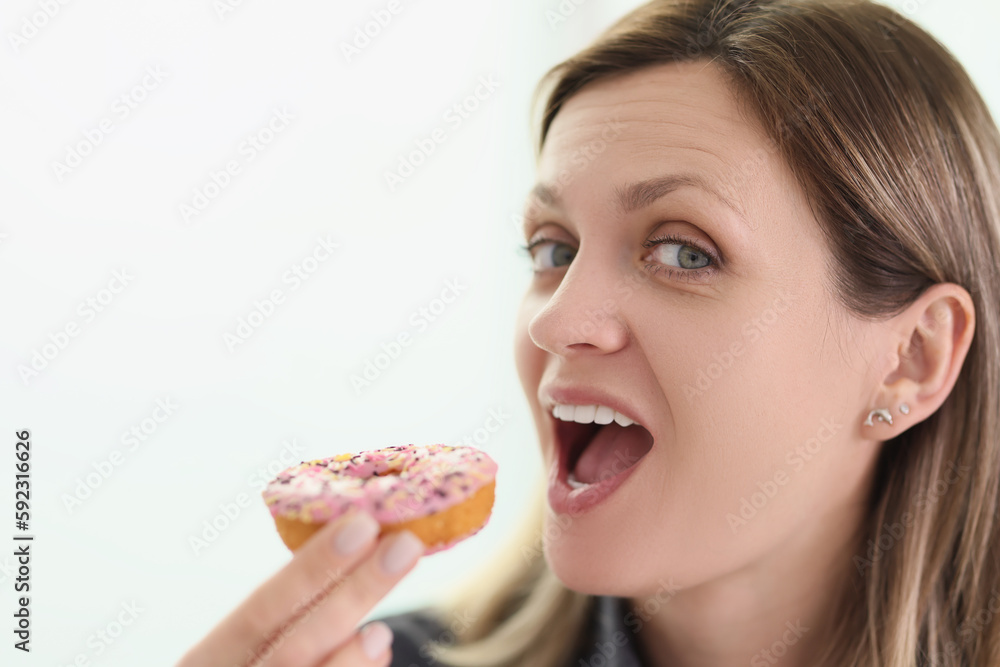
(162, 335)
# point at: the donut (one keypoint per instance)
(443, 494)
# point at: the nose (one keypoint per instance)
(584, 315)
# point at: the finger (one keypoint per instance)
(327, 626)
(314, 570)
(368, 648)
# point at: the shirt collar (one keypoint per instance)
(611, 639)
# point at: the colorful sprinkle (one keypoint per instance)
(393, 484)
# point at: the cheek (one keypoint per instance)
(777, 417)
(755, 429)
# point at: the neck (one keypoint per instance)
(772, 611)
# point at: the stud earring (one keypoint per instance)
(904, 408)
(882, 414)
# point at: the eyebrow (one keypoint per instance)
(634, 196)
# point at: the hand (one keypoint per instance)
(307, 614)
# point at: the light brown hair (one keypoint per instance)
(900, 160)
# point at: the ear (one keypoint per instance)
(929, 340)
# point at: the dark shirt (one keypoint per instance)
(609, 640)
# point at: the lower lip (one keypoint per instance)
(564, 499)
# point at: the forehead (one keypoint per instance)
(666, 119)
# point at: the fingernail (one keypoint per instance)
(375, 639)
(359, 530)
(405, 549)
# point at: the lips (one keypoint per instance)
(569, 433)
(604, 454)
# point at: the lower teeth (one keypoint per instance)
(576, 484)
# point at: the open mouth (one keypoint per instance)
(590, 453)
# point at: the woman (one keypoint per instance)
(766, 243)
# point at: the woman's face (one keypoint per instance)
(681, 280)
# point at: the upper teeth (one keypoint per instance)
(590, 414)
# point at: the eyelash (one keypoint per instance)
(655, 269)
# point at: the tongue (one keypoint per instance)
(613, 449)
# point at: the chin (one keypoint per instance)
(582, 577)
(583, 566)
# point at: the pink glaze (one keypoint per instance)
(393, 484)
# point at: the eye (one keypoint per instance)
(676, 252)
(679, 258)
(549, 254)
